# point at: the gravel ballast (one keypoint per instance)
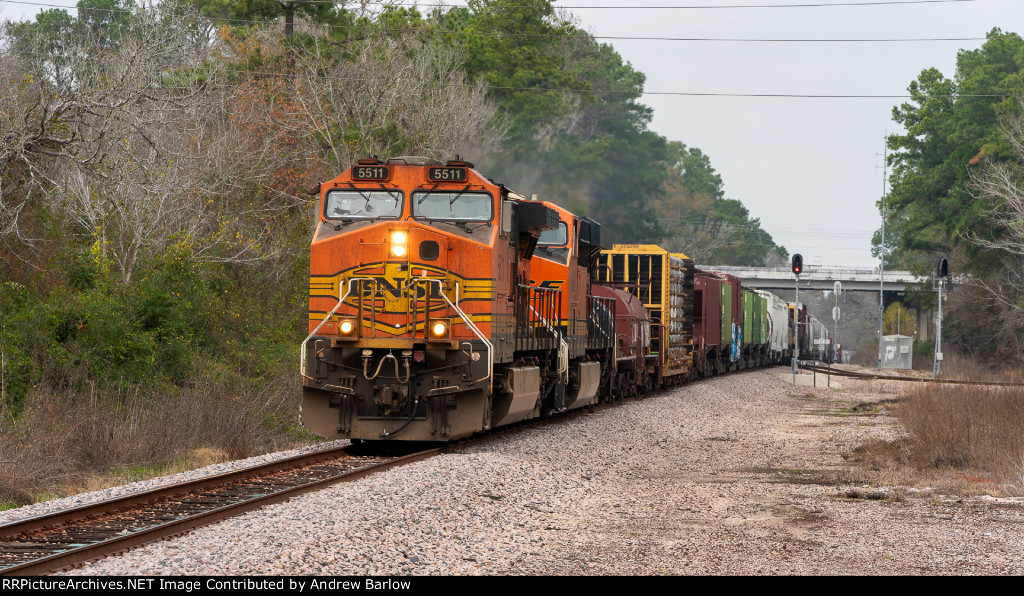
(743, 474)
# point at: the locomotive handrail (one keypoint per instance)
(302, 359)
(563, 348)
(473, 327)
(593, 313)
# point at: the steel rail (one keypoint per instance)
(872, 376)
(20, 533)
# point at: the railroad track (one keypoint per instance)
(49, 542)
(64, 538)
(880, 377)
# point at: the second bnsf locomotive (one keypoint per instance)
(443, 304)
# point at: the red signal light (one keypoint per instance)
(798, 264)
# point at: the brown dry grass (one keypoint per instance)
(967, 439)
(65, 443)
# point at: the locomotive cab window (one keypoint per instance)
(553, 244)
(452, 205)
(363, 204)
(556, 237)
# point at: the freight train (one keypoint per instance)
(443, 304)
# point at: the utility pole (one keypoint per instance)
(881, 267)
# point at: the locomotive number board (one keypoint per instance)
(370, 173)
(447, 174)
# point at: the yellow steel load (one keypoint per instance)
(663, 281)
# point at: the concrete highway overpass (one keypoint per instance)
(821, 278)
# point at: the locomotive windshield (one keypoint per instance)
(363, 204)
(452, 205)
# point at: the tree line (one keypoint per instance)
(956, 192)
(156, 162)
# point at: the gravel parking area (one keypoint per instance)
(743, 474)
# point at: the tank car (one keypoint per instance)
(809, 329)
(817, 346)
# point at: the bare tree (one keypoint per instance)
(69, 102)
(29, 130)
(1001, 186)
(700, 241)
(140, 143)
(391, 97)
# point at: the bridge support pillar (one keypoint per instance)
(924, 319)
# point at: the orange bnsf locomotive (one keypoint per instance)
(443, 304)
(426, 322)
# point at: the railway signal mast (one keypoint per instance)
(798, 268)
(941, 272)
(837, 289)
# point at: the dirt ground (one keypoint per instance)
(747, 474)
(776, 490)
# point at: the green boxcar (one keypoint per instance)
(726, 313)
(755, 309)
(749, 308)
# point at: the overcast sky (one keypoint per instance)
(811, 169)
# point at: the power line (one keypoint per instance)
(417, 4)
(614, 7)
(569, 35)
(704, 6)
(773, 230)
(764, 40)
(609, 92)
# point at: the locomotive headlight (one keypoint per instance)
(398, 243)
(348, 329)
(439, 329)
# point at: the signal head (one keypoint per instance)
(798, 264)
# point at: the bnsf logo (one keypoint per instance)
(551, 284)
(394, 290)
(389, 288)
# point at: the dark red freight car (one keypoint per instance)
(707, 322)
(632, 341)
